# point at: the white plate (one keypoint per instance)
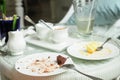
(58, 47)
(78, 50)
(22, 64)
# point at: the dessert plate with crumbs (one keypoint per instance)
(42, 64)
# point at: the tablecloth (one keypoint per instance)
(105, 69)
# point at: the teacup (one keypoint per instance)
(59, 34)
(42, 31)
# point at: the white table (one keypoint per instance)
(105, 69)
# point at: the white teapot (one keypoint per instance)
(16, 42)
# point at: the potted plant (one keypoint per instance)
(3, 8)
(7, 23)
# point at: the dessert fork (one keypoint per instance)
(72, 66)
(101, 47)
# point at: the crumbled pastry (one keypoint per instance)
(44, 65)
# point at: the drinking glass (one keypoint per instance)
(84, 16)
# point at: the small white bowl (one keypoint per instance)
(42, 31)
(59, 34)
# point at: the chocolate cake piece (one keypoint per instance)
(61, 60)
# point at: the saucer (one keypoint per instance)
(58, 47)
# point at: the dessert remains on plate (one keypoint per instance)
(61, 60)
(92, 46)
(46, 65)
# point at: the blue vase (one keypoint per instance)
(6, 26)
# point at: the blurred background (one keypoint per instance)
(48, 10)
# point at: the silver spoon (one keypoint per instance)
(27, 18)
(72, 66)
(101, 47)
(42, 21)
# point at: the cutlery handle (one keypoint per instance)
(45, 24)
(106, 41)
(27, 18)
(92, 77)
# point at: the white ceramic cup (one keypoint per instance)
(42, 31)
(59, 34)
